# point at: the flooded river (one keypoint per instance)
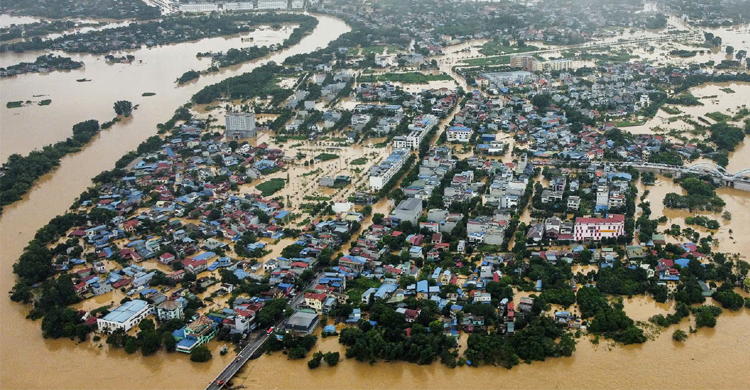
(659, 364)
(27, 360)
(154, 70)
(708, 359)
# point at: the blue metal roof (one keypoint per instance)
(126, 311)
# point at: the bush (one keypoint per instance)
(729, 299)
(332, 358)
(705, 316)
(200, 354)
(315, 361)
(679, 335)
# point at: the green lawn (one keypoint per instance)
(359, 161)
(627, 123)
(356, 287)
(14, 104)
(407, 78)
(718, 116)
(502, 60)
(326, 156)
(671, 110)
(270, 187)
(493, 48)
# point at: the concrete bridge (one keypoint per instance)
(722, 177)
(249, 350)
(739, 180)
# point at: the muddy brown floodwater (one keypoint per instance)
(26, 359)
(709, 359)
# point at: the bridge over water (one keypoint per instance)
(739, 180)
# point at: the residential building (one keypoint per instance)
(597, 228)
(574, 202)
(198, 332)
(302, 323)
(128, 315)
(382, 173)
(315, 301)
(459, 134)
(408, 210)
(168, 310)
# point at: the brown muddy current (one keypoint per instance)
(711, 358)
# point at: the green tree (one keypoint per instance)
(200, 354)
(315, 361)
(131, 345)
(331, 358)
(123, 107)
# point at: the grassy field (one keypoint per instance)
(627, 123)
(326, 156)
(407, 78)
(493, 48)
(14, 104)
(270, 187)
(718, 116)
(671, 110)
(503, 60)
(356, 287)
(359, 161)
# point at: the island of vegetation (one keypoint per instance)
(170, 29)
(42, 28)
(43, 64)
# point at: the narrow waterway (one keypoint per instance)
(26, 359)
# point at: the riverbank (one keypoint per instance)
(155, 71)
(65, 361)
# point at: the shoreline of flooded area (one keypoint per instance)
(69, 364)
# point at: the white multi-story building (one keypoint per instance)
(199, 7)
(602, 196)
(243, 6)
(128, 315)
(381, 174)
(560, 64)
(597, 228)
(411, 141)
(459, 133)
(240, 125)
(168, 310)
(273, 4)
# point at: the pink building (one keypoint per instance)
(597, 228)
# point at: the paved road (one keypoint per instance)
(247, 352)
